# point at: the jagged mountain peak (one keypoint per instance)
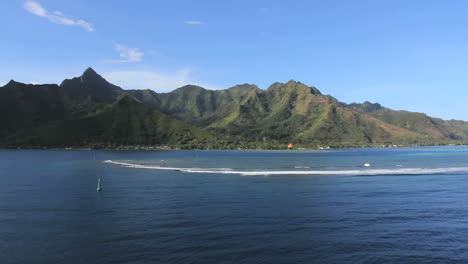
(370, 107)
(190, 87)
(11, 83)
(243, 86)
(240, 89)
(89, 79)
(90, 75)
(285, 112)
(366, 106)
(89, 71)
(292, 85)
(292, 81)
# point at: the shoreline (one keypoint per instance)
(167, 148)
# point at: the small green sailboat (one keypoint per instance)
(99, 185)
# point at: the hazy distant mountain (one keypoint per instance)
(416, 122)
(88, 111)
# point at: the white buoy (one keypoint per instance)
(366, 165)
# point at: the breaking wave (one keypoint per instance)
(363, 172)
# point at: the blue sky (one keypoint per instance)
(410, 55)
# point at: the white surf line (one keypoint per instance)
(405, 171)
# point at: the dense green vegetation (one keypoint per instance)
(125, 123)
(89, 112)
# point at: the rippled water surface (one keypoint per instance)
(409, 206)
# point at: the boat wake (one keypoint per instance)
(361, 172)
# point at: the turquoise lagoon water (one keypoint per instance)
(409, 206)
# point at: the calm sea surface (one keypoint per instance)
(409, 206)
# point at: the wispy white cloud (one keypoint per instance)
(194, 22)
(154, 80)
(56, 16)
(127, 54)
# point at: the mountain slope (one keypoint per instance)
(89, 111)
(24, 106)
(416, 122)
(88, 93)
(294, 112)
(125, 123)
(194, 104)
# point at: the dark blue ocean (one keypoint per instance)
(409, 206)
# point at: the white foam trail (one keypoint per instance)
(405, 171)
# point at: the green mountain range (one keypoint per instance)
(89, 112)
